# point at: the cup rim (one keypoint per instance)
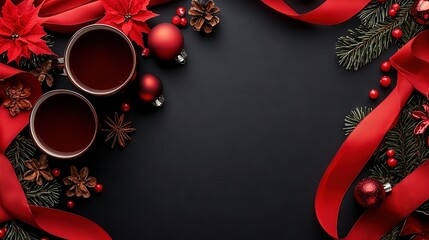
(79, 84)
(36, 140)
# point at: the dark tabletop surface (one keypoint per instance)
(249, 126)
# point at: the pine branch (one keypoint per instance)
(375, 12)
(16, 232)
(364, 44)
(46, 195)
(19, 151)
(354, 118)
(394, 234)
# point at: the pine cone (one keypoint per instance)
(203, 15)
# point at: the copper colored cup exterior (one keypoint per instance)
(33, 134)
(79, 84)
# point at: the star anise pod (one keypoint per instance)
(42, 73)
(38, 170)
(17, 99)
(79, 182)
(202, 15)
(118, 130)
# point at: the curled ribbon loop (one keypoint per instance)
(412, 64)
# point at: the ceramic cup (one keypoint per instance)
(100, 60)
(63, 124)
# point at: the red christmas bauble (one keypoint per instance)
(390, 153)
(420, 11)
(165, 41)
(70, 204)
(397, 33)
(391, 162)
(373, 94)
(392, 12)
(395, 6)
(385, 81)
(98, 188)
(56, 172)
(385, 66)
(181, 11)
(183, 22)
(126, 107)
(3, 232)
(150, 88)
(369, 193)
(175, 20)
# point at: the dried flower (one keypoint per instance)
(118, 130)
(203, 15)
(38, 170)
(42, 73)
(79, 182)
(17, 99)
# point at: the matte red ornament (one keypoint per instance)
(98, 188)
(3, 232)
(385, 81)
(175, 20)
(397, 33)
(70, 204)
(385, 66)
(369, 193)
(150, 90)
(183, 22)
(390, 153)
(391, 162)
(166, 43)
(420, 11)
(395, 6)
(56, 172)
(181, 11)
(373, 94)
(392, 12)
(126, 107)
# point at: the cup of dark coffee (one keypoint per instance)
(63, 124)
(100, 60)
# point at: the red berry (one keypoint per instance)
(397, 33)
(385, 66)
(175, 20)
(56, 172)
(181, 11)
(146, 52)
(390, 153)
(126, 107)
(392, 12)
(385, 81)
(395, 6)
(70, 204)
(391, 162)
(373, 94)
(3, 232)
(183, 22)
(98, 188)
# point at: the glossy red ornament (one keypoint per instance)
(385, 66)
(395, 6)
(420, 11)
(70, 204)
(56, 172)
(385, 81)
(98, 188)
(183, 22)
(390, 153)
(166, 43)
(392, 12)
(373, 94)
(397, 33)
(391, 162)
(369, 193)
(175, 20)
(150, 90)
(181, 11)
(146, 52)
(126, 107)
(3, 232)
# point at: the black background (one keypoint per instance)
(249, 126)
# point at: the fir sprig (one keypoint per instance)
(354, 118)
(19, 151)
(46, 195)
(376, 12)
(16, 232)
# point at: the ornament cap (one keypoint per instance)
(159, 102)
(181, 58)
(387, 187)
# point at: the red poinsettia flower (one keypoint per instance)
(417, 226)
(21, 31)
(423, 117)
(129, 16)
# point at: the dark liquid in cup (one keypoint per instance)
(64, 124)
(101, 59)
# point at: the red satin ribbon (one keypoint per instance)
(331, 12)
(13, 203)
(412, 63)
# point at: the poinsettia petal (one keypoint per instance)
(110, 7)
(418, 115)
(141, 28)
(426, 108)
(13, 54)
(5, 30)
(143, 16)
(126, 27)
(112, 18)
(9, 11)
(137, 37)
(5, 44)
(421, 127)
